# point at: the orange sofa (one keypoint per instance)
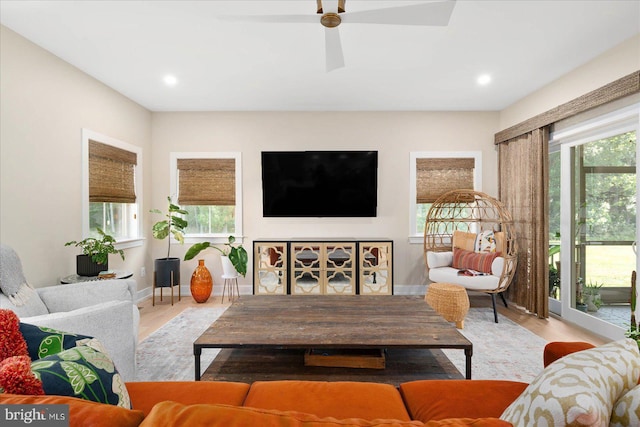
(429, 403)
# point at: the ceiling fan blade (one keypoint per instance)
(333, 47)
(271, 19)
(436, 13)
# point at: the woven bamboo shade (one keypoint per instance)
(207, 182)
(434, 177)
(111, 174)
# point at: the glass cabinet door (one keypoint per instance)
(375, 268)
(270, 268)
(306, 269)
(339, 268)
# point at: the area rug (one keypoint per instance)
(501, 350)
(167, 354)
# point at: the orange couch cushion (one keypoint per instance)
(167, 414)
(557, 349)
(81, 412)
(329, 399)
(441, 399)
(146, 394)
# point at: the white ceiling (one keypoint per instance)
(229, 64)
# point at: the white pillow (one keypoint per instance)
(439, 259)
(497, 265)
(579, 389)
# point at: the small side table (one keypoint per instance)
(450, 301)
(74, 278)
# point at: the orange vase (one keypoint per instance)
(201, 283)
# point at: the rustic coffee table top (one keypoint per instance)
(340, 321)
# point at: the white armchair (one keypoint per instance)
(102, 309)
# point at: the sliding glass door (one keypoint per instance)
(593, 222)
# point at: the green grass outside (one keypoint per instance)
(611, 265)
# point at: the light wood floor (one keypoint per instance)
(552, 329)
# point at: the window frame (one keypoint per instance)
(414, 236)
(104, 139)
(173, 167)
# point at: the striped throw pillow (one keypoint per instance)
(478, 261)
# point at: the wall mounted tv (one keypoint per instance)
(319, 183)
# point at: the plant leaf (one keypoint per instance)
(158, 211)
(160, 229)
(239, 258)
(97, 359)
(195, 250)
(178, 236)
(37, 365)
(51, 344)
(178, 222)
(79, 375)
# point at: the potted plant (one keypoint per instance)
(592, 296)
(95, 254)
(580, 304)
(167, 270)
(236, 255)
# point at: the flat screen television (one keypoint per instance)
(319, 183)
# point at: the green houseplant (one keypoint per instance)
(167, 270)
(236, 254)
(95, 253)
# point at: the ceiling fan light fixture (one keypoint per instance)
(330, 20)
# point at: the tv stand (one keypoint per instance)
(323, 267)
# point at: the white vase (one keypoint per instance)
(228, 269)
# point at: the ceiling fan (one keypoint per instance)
(427, 13)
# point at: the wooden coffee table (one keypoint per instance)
(331, 322)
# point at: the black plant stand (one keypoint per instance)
(166, 275)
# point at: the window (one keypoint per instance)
(594, 224)
(435, 173)
(208, 186)
(111, 182)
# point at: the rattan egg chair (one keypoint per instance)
(471, 212)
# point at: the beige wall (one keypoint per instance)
(44, 104)
(610, 66)
(393, 134)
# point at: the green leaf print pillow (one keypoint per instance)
(86, 372)
(42, 341)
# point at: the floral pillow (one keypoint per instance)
(42, 341)
(579, 389)
(86, 372)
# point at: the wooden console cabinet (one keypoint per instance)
(323, 267)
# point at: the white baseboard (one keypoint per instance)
(248, 290)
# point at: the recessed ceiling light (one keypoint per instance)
(484, 79)
(170, 80)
